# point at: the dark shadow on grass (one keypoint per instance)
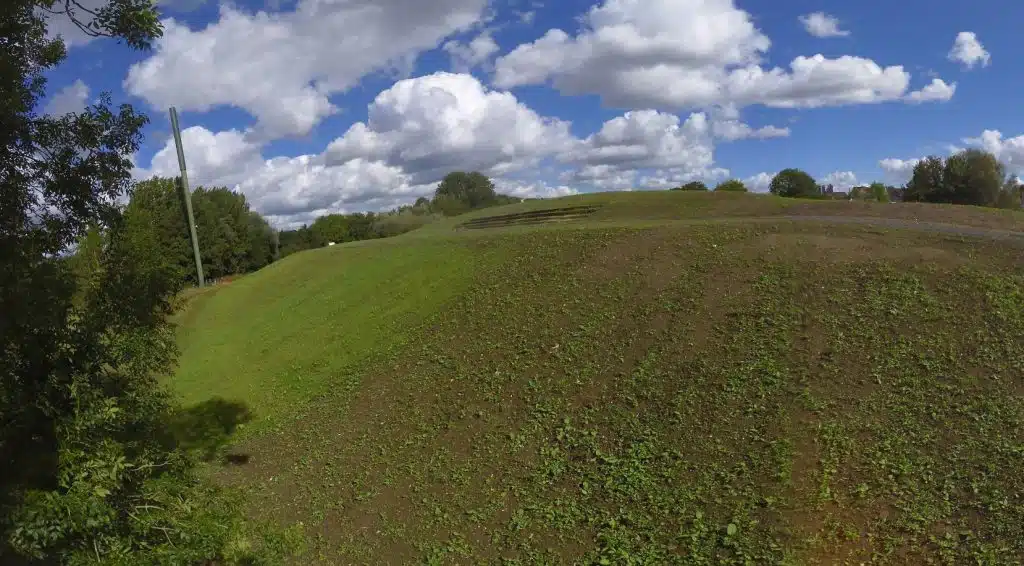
(235, 459)
(206, 428)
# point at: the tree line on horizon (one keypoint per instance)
(968, 177)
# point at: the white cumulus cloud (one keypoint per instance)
(214, 159)
(820, 24)
(759, 183)
(417, 131)
(72, 98)
(968, 51)
(647, 139)
(676, 54)
(732, 130)
(840, 180)
(1010, 151)
(670, 178)
(936, 91)
(535, 189)
(282, 67)
(289, 190)
(433, 124)
(898, 171)
(466, 56)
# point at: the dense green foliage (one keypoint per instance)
(692, 186)
(794, 183)
(232, 238)
(734, 185)
(90, 473)
(459, 190)
(971, 176)
(341, 228)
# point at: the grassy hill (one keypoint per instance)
(677, 378)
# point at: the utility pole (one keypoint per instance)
(187, 197)
(277, 244)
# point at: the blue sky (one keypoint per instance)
(315, 106)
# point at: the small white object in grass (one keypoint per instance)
(330, 243)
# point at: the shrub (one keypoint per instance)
(732, 185)
(794, 183)
(692, 186)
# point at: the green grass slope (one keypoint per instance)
(657, 207)
(780, 392)
(280, 337)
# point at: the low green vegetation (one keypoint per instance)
(308, 324)
(734, 185)
(692, 186)
(629, 389)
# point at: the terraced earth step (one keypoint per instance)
(531, 217)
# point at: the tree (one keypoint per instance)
(422, 206)
(260, 248)
(732, 185)
(794, 183)
(292, 241)
(974, 177)
(970, 176)
(1012, 194)
(926, 182)
(879, 192)
(232, 238)
(692, 186)
(459, 190)
(159, 201)
(88, 473)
